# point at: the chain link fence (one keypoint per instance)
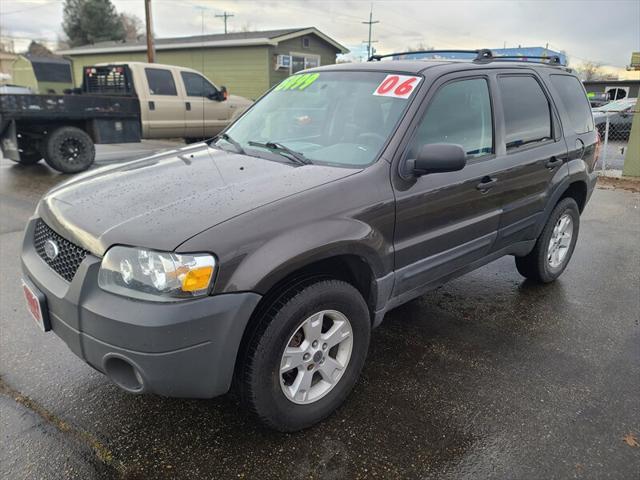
(614, 127)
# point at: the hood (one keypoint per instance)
(161, 201)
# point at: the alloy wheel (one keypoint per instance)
(316, 356)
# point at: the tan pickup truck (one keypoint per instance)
(117, 103)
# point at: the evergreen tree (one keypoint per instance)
(91, 21)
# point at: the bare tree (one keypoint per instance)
(132, 25)
(589, 71)
(39, 50)
(419, 47)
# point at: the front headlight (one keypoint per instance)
(157, 276)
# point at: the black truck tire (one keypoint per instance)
(262, 378)
(69, 150)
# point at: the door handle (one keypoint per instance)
(486, 184)
(152, 106)
(553, 162)
(188, 105)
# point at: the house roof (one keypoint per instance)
(236, 39)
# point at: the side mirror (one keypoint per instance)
(437, 158)
(219, 95)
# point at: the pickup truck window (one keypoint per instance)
(196, 85)
(459, 113)
(527, 117)
(160, 81)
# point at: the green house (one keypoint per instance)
(247, 63)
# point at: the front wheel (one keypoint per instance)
(305, 355)
(554, 246)
(69, 150)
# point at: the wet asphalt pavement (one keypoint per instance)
(487, 377)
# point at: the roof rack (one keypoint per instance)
(481, 55)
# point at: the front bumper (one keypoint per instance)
(180, 349)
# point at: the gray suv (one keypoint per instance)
(263, 258)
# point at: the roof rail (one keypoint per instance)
(481, 55)
(478, 53)
(551, 59)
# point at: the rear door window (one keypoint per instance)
(575, 102)
(527, 115)
(459, 113)
(160, 81)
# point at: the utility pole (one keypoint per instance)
(370, 22)
(225, 15)
(151, 51)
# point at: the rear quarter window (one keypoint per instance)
(575, 102)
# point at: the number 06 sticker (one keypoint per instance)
(398, 86)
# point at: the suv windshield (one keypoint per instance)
(338, 118)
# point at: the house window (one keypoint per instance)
(303, 61)
(306, 42)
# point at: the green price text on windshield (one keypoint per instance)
(298, 82)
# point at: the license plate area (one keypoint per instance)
(36, 305)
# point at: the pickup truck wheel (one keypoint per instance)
(69, 150)
(554, 246)
(305, 355)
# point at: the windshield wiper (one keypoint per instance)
(228, 139)
(297, 157)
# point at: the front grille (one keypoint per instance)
(69, 256)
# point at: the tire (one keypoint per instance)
(69, 150)
(538, 265)
(262, 386)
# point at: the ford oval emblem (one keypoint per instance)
(51, 249)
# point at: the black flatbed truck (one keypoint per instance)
(63, 129)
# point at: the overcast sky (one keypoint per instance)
(599, 30)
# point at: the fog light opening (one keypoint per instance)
(124, 374)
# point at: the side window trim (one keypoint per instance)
(556, 128)
(421, 114)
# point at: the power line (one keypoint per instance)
(29, 9)
(370, 23)
(225, 15)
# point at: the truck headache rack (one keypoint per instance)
(483, 55)
(108, 80)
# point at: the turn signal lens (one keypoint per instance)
(197, 279)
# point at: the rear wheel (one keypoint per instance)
(554, 246)
(305, 355)
(69, 149)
